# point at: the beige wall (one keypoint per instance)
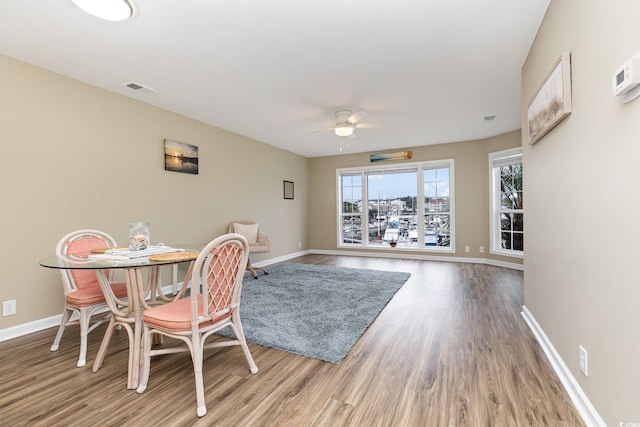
(583, 213)
(471, 165)
(70, 152)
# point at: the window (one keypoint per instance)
(391, 206)
(437, 207)
(410, 206)
(507, 203)
(351, 209)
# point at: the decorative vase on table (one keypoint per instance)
(139, 235)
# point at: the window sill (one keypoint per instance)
(387, 247)
(511, 254)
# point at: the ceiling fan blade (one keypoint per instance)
(320, 131)
(357, 116)
(366, 126)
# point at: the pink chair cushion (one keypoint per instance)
(85, 279)
(176, 315)
(93, 294)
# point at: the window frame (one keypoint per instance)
(496, 160)
(341, 214)
(418, 168)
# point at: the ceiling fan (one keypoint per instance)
(347, 123)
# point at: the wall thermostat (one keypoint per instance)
(627, 77)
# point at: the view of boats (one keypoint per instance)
(383, 207)
(401, 229)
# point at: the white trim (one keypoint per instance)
(416, 167)
(386, 247)
(512, 254)
(496, 159)
(279, 259)
(29, 328)
(420, 256)
(339, 201)
(510, 156)
(589, 414)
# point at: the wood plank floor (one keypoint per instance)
(450, 349)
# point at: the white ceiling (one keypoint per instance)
(425, 71)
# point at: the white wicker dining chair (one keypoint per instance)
(82, 293)
(214, 303)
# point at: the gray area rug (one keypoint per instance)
(314, 310)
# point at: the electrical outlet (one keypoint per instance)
(584, 366)
(9, 308)
(299, 245)
(481, 249)
(466, 248)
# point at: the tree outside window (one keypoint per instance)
(507, 203)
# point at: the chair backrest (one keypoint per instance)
(78, 245)
(257, 239)
(217, 276)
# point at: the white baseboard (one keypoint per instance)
(423, 257)
(29, 328)
(279, 259)
(495, 263)
(589, 414)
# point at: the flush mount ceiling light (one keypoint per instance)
(344, 129)
(110, 10)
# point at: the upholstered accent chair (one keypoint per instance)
(258, 241)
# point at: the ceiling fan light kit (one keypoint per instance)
(343, 129)
(346, 122)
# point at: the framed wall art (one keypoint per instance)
(383, 157)
(180, 157)
(287, 188)
(552, 102)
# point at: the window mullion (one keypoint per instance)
(420, 208)
(365, 209)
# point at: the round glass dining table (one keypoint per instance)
(140, 295)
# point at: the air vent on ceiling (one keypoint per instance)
(138, 87)
(489, 118)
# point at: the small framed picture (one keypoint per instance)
(288, 190)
